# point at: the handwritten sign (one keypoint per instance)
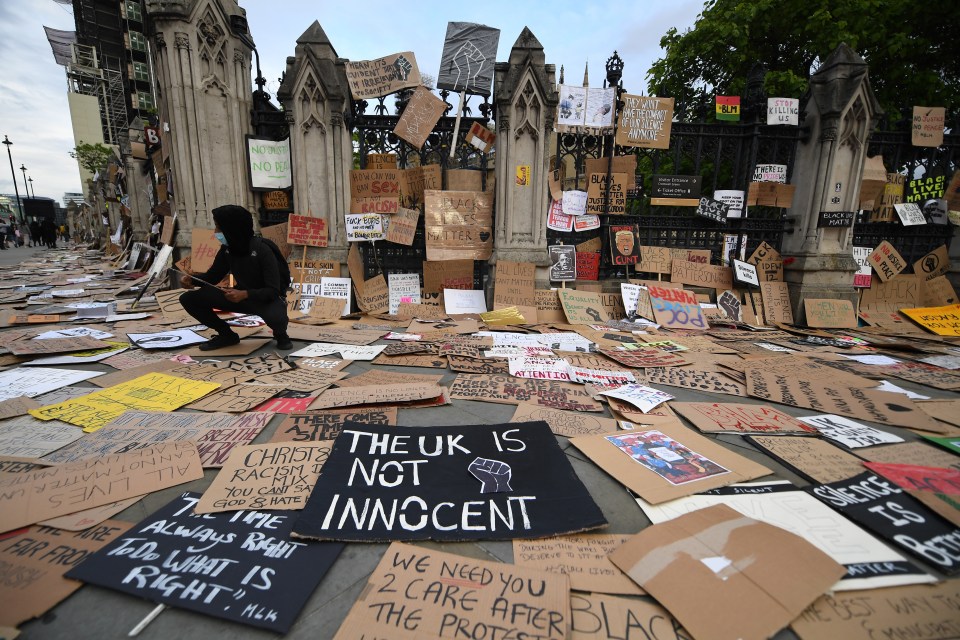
(404, 287)
(770, 173)
(588, 266)
(459, 225)
(251, 573)
(382, 76)
(447, 483)
(927, 128)
(676, 308)
(713, 210)
(582, 307)
(403, 226)
(598, 201)
(310, 427)
(728, 108)
(829, 313)
(699, 274)
(776, 302)
(269, 163)
(203, 249)
(886, 261)
(305, 230)
(505, 389)
(645, 122)
(419, 117)
(719, 417)
(393, 608)
(582, 557)
(783, 111)
(833, 219)
(943, 321)
(574, 203)
(362, 227)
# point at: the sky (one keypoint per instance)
(33, 88)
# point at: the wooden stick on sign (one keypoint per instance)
(456, 126)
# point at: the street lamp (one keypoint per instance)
(33, 194)
(26, 190)
(13, 173)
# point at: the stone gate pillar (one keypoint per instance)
(840, 113)
(315, 94)
(526, 101)
(202, 56)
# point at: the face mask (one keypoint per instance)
(222, 239)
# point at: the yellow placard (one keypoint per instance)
(943, 321)
(503, 317)
(523, 175)
(150, 392)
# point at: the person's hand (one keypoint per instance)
(235, 295)
(186, 282)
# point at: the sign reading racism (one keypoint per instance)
(447, 483)
(238, 566)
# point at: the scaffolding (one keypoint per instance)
(86, 76)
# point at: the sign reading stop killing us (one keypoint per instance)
(483, 482)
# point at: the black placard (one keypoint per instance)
(884, 508)
(481, 482)
(713, 209)
(240, 566)
(676, 186)
(835, 219)
(563, 262)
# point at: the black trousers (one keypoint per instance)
(201, 302)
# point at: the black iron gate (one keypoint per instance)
(373, 133)
(724, 154)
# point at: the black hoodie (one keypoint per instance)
(251, 262)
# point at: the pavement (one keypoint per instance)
(94, 612)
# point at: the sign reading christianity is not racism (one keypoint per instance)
(447, 483)
(383, 76)
(469, 53)
(237, 566)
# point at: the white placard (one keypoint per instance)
(464, 301)
(864, 274)
(539, 368)
(770, 173)
(269, 163)
(404, 287)
(733, 198)
(362, 227)
(783, 111)
(27, 437)
(331, 287)
(849, 433)
(910, 213)
(642, 397)
(630, 294)
(74, 332)
(166, 339)
(574, 203)
(36, 381)
(745, 273)
(599, 376)
(346, 351)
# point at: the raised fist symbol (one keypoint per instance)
(401, 68)
(494, 475)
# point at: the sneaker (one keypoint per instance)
(220, 341)
(284, 343)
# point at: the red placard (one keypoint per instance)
(588, 266)
(305, 230)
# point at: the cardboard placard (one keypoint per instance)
(447, 274)
(310, 427)
(693, 462)
(27, 437)
(362, 227)
(582, 557)
(419, 117)
(203, 249)
(306, 230)
(215, 434)
(849, 433)
(392, 588)
(885, 613)
(416, 180)
(40, 556)
(934, 264)
(814, 459)
(564, 423)
(278, 200)
(892, 194)
(513, 287)
(927, 128)
(676, 308)
(47, 493)
(828, 313)
(236, 399)
(549, 308)
(403, 226)
(373, 394)
(505, 389)
(458, 225)
(660, 259)
(720, 417)
(382, 76)
(597, 200)
(888, 511)
(868, 562)
(262, 579)
(756, 563)
(701, 275)
(886, 261)
(449, 483)
(151, 392)
(645, 122)
(265, 476)
(943, 321)
(582, 307)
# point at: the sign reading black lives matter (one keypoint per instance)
(713, 209)
(240, 565)
(482, 482)
(885, 509)
(469, 53)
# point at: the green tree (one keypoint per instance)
(912, 49)
(92, 157)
